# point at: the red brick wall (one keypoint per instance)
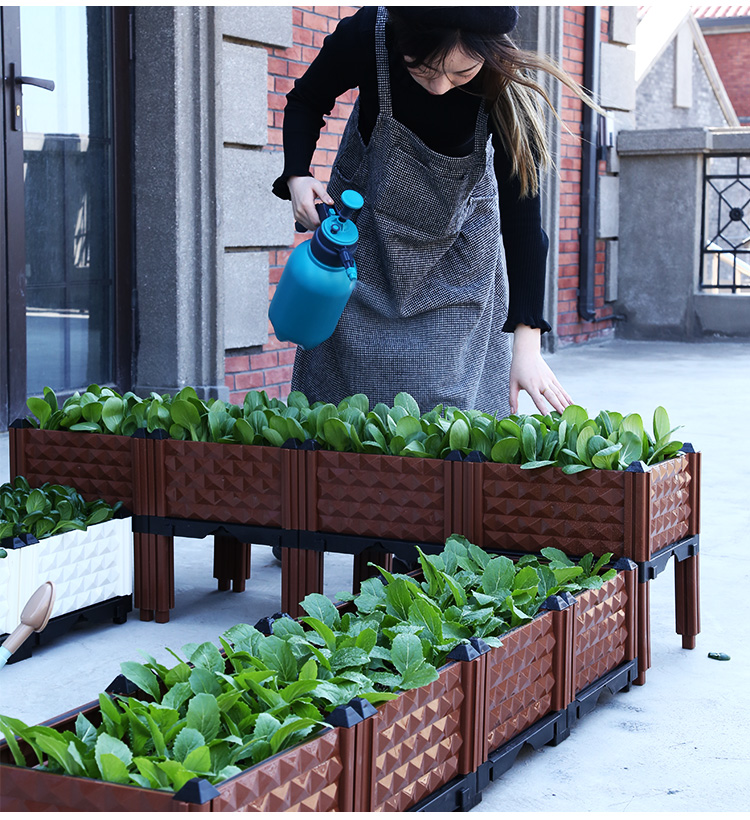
(270, 369)
(731, 53)
(570, 328)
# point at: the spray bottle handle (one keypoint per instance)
(324, 211)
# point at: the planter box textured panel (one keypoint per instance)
(86, 568)
(418, 742)
(97, 465)
(230, 483)
(311, 777)
(389, 497)
(604, 629)
(630, 514)
(521, 680)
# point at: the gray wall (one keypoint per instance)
(661, 189)
(205, 217)
(655, 107)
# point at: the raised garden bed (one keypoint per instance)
(310, 777)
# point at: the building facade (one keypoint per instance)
(142, 242)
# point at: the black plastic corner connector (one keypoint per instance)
(636, 467)
(310, 444)
(480, 645)
(476, 457)
(455, 455)
(344, 717)
(277, 615)
(264, 626)
(557, 603)
(197, 790)
(20, 424)
(625, 564)
(363, 707)
(121, 686)
(687, 447)
(13, 542)
(158, 434)
(463, 652)
(291, 444)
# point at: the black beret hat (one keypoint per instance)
(490, 20)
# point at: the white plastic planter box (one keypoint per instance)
(86, 568)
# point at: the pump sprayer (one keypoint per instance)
(319, 277)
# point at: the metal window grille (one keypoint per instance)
(725, 234)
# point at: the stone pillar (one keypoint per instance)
(178, 327)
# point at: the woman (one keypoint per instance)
(443, 144)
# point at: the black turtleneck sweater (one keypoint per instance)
(446, 123)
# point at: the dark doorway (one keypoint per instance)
(67, 201)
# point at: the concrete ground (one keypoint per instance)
(680, 743)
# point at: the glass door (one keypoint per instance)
(61, 127)
(68, 195)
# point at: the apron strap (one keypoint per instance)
(381, 58)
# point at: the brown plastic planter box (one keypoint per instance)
(228, 483)
(421, 741)
(314, 776)
(631, 514)
(379, 496)
(97, 465)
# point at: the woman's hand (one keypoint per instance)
(529, 372)
(304, 192)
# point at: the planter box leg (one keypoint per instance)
(687, 600)
(362, 572)
(153, 578)
(301, 574)
(231, 563)
(644, 631)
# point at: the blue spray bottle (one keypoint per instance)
(319, 278)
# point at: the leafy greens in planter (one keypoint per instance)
(213, 714)
(570, 440)
(47, 510)
(465, 593)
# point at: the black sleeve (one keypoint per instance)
(526, 245)
(346, 53)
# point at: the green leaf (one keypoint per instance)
(9, 732)
(186, 415)
(199, 761)
(458, 435)
(320, 607)
(347, 658)
(277, 654)
(188, 740)
(426, 614)
(661, 424)
(398, 598)
(574, 415)
(40, 408)
(142, 677)
(203, 714)
(633, 423)
(506, 451)
(582, 444)
(208, 656)
(284, 735)
(498, 575)
(204, 682)
(113, 414)
(529, 442)
(111, 747)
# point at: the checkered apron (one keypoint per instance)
(431, 297)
